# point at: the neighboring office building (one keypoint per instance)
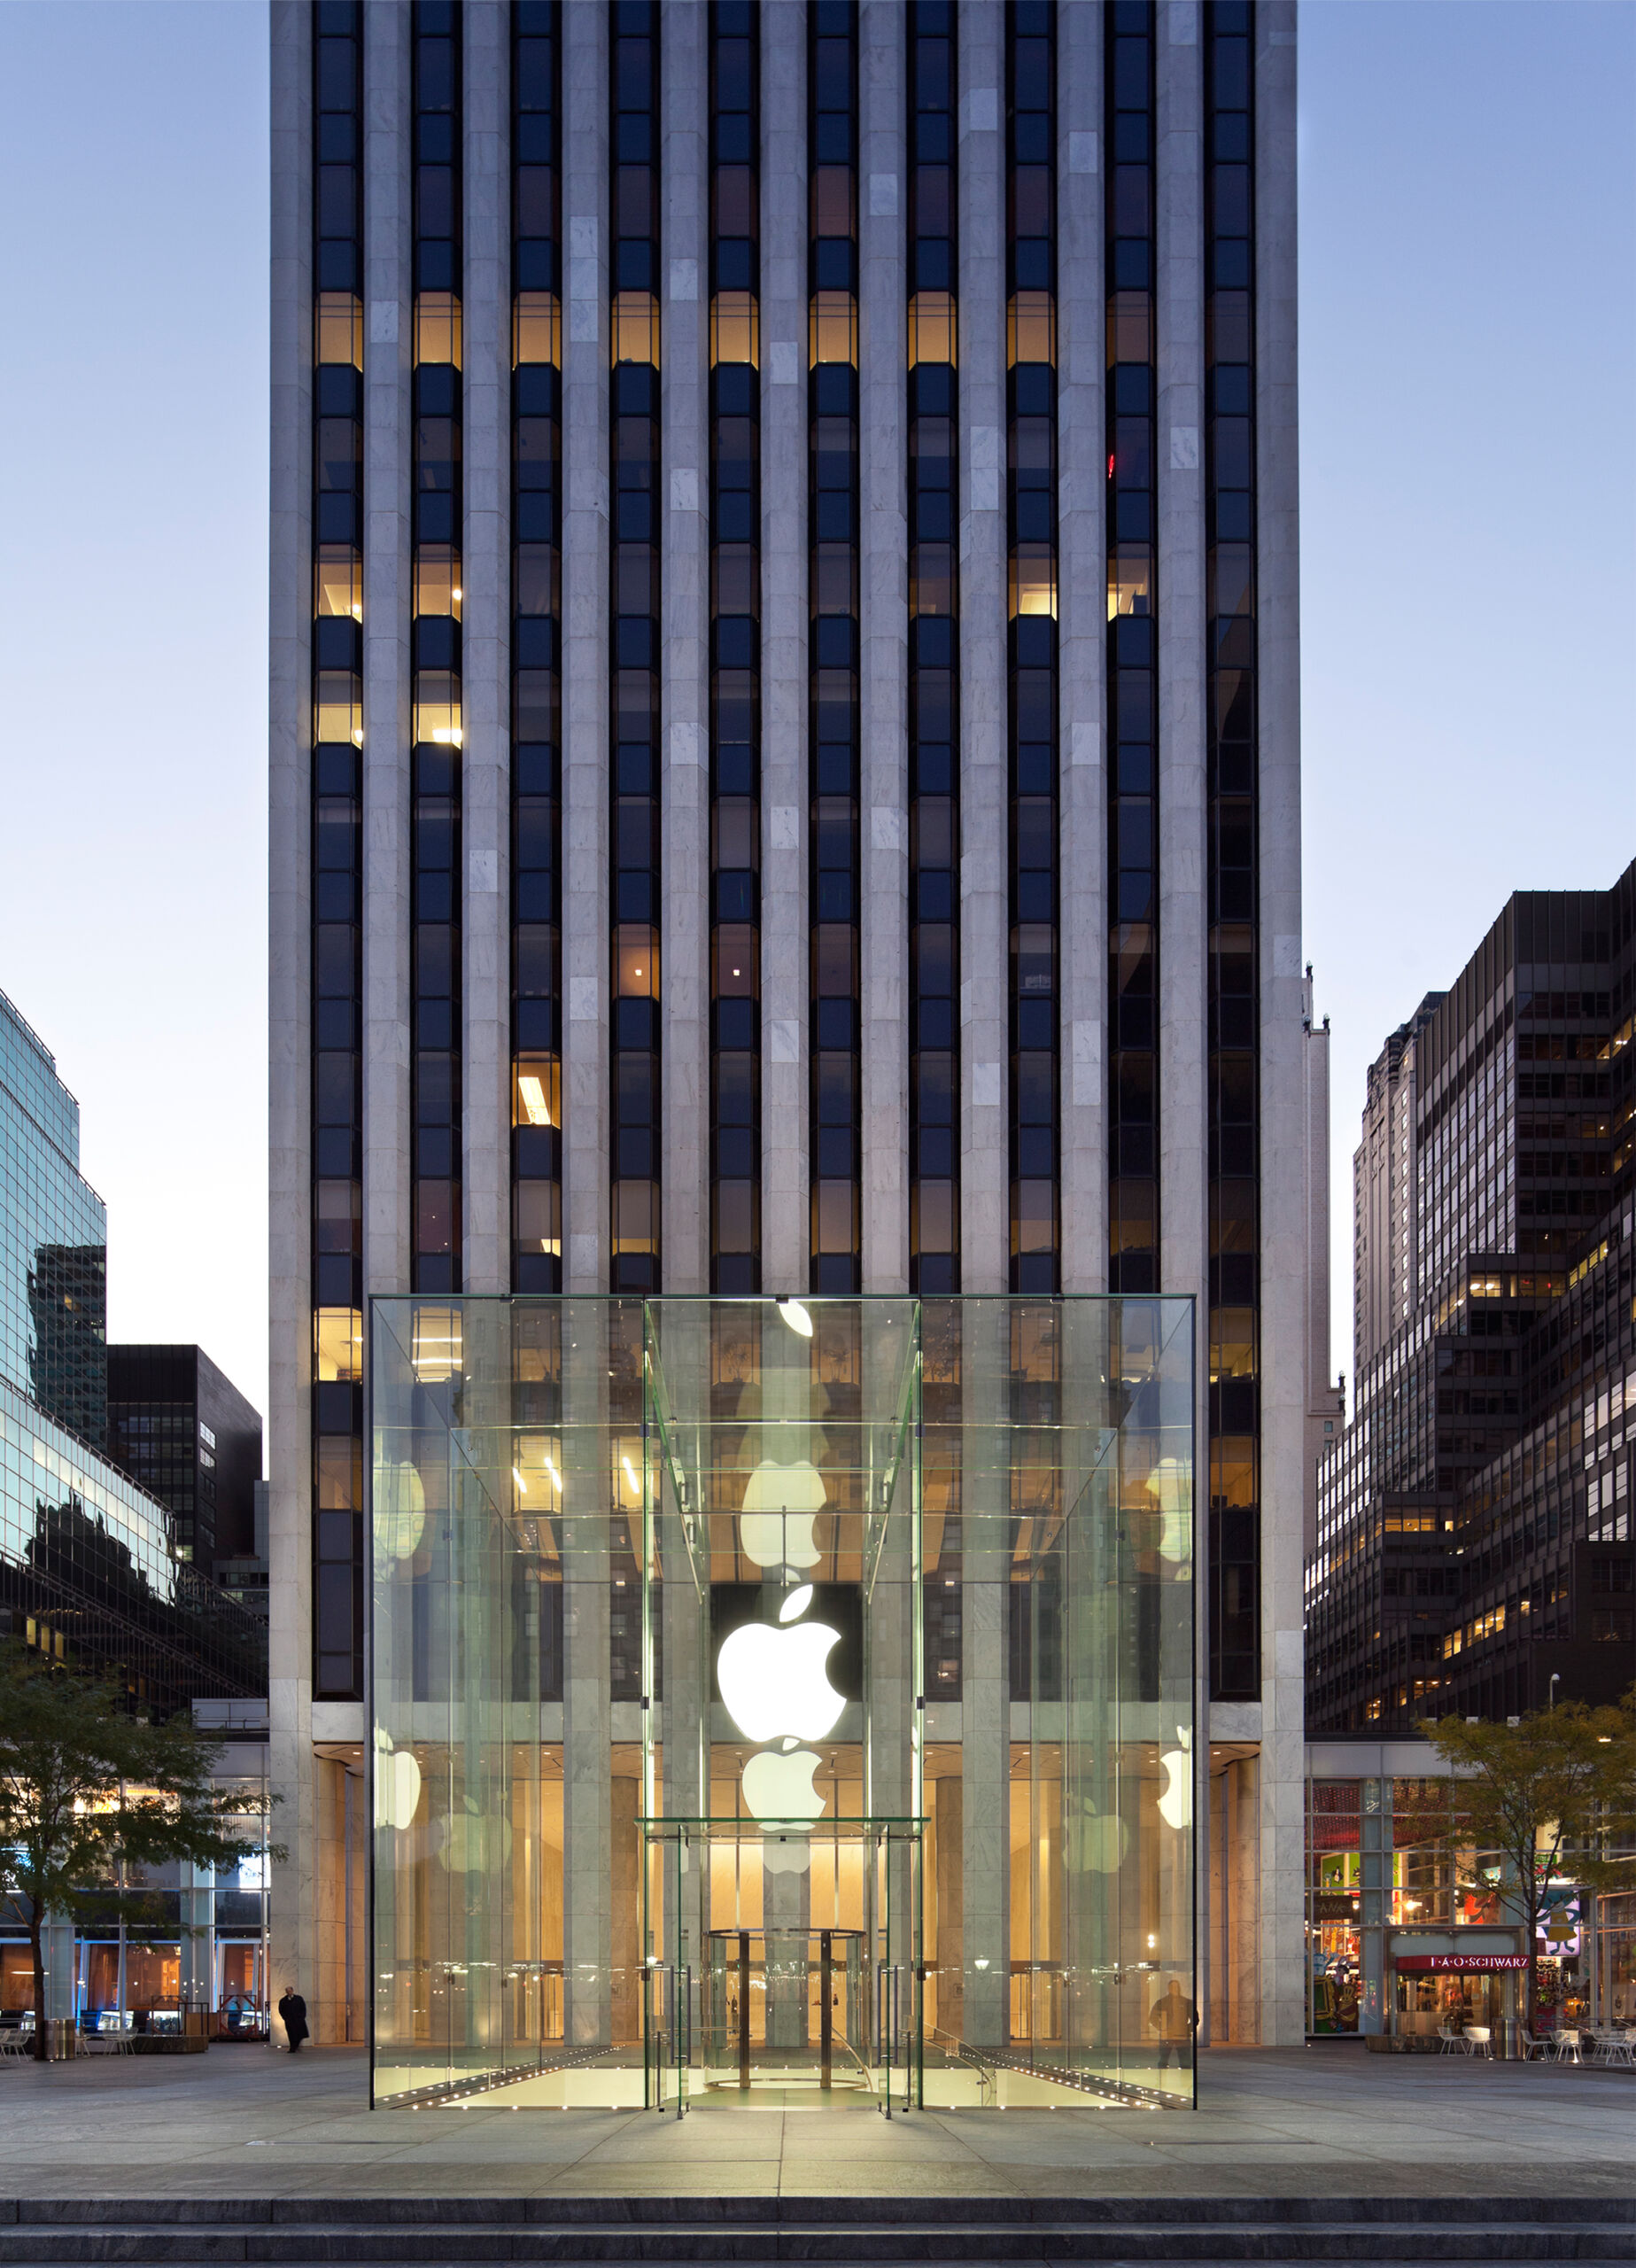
(1384, 1176)
(87, 1570)
(1475, 1550)
(184, 1432)
(785, 524)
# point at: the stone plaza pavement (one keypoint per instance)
(1324, 2121)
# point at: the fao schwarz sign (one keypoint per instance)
(1461, 1963)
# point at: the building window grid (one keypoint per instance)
(436, 730)
(1133, 636)
(834, 862)
(536, 620)
(1234, 960)
(1031, 409)
(635, 1246)
(934, 653)
(735, 649)
(337, 851)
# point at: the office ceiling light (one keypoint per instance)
(793, 1314)
(534, 1102)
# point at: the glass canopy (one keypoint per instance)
(789, 1698)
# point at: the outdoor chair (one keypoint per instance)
(1531, 2045)
(1451, 2042)
(1568, 2047)
(1479, 2040)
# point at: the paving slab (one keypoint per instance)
(1322, 2122)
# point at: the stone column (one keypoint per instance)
(884, 687)
(985, 894)
(1082, 648)
(585, 944)
(984, 1708)
(485, 651)
(290, 710)
(1283, 1353)
(1183, 920)
(685, 686)
(785, 1238)
(587, 1713)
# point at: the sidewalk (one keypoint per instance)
(1327, 2121)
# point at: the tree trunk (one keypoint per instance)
(37, 1949)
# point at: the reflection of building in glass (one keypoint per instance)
(53, 1240)
(786, 783)
(1475, 1552)
(185, 1433)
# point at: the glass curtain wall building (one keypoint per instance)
(758, 440)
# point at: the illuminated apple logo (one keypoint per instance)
(1175, 1801)
(780, 1785)
(775, 1680)
(780, 1504)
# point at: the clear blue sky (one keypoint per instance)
(1468, 366)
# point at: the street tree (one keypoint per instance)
(91, 1793)
(1553, 1796)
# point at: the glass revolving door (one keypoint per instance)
(788, 2009)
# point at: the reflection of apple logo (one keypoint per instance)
(780, 1502)
(1170, 1484)
(775, 1680)
(399, 1512)
(780, 1786)
(1094, 1843)
(1175, 1802)
(397, 1785)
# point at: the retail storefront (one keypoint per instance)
(1386, 1892)
(664, 1785)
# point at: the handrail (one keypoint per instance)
(988, 2079)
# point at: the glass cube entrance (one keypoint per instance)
(782, 1696)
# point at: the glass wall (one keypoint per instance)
(650, 1748)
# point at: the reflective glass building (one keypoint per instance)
(88, 1571)
(785, 784)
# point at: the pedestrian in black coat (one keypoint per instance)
(292, 2009)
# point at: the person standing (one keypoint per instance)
(293, 2012)
(1176, 2019)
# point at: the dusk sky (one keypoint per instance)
(1468, 472)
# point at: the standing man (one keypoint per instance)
(293, 2012)
(1176, 2019)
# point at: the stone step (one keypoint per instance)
(809, 2214)
(389, 2241)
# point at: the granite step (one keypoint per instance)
(408, 2232)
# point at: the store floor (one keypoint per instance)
(1327, 2121)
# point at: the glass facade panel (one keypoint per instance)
(651, 1793)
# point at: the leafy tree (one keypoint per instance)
(1554, 1794)
(85, 1785)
